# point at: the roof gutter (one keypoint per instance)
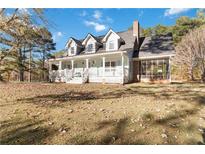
(154, 57)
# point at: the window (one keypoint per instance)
(54, 67)
(143, 69)
(92, 63)
(110, 64)
(111, 45)
(107, 64)
(113, 63)
(110, 68)
(104, 46)
(90, 47)
(68, 66)
(156, 69)
(72, 50)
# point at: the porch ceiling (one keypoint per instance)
(99, 55)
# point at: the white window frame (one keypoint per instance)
(92, 49)
(110, 43)
(110, 67)
(72, 52)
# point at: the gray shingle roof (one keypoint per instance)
(127, 42)
(129, 39)
(98, 39)
(78, 42)
(157, 45)
(150, 46)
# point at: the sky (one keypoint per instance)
(77, 23)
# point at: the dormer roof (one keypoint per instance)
(109, 33)
(78, 42)
(87, 38)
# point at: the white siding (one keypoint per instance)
(91, 41)
(112, 37)
(72, 44)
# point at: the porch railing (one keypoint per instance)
(113, 71)
(68, 74)
(60, 75)
(85, 76)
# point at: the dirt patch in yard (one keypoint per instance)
(44, 113)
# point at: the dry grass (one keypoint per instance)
(41, 113)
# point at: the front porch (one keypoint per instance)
(111, 68)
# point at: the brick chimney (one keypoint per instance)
(136, 30)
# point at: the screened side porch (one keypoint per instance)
(156, 69)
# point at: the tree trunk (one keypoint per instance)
(21, 75)
(191, 74)
(9, 75)
(203, 69)
(203, 76)
(43, 66)
(30, 56)
(20, 65)
(1, 78)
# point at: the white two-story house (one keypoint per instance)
(116, 57)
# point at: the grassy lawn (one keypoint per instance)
(44, 113)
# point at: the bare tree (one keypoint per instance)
(190, 52)
(20, 33)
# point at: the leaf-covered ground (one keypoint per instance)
(44, 113)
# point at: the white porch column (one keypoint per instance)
(170, 79)
(60, 65)
(50, 66)
(50, 71)
(72, 64)
(72, 68)
(87, 63)
(123, 70)
(103, 59)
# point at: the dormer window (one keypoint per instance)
(90, 47)
(72, 50)
(111, 45)
(91, 43)
(73, 46)
(112, 41)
